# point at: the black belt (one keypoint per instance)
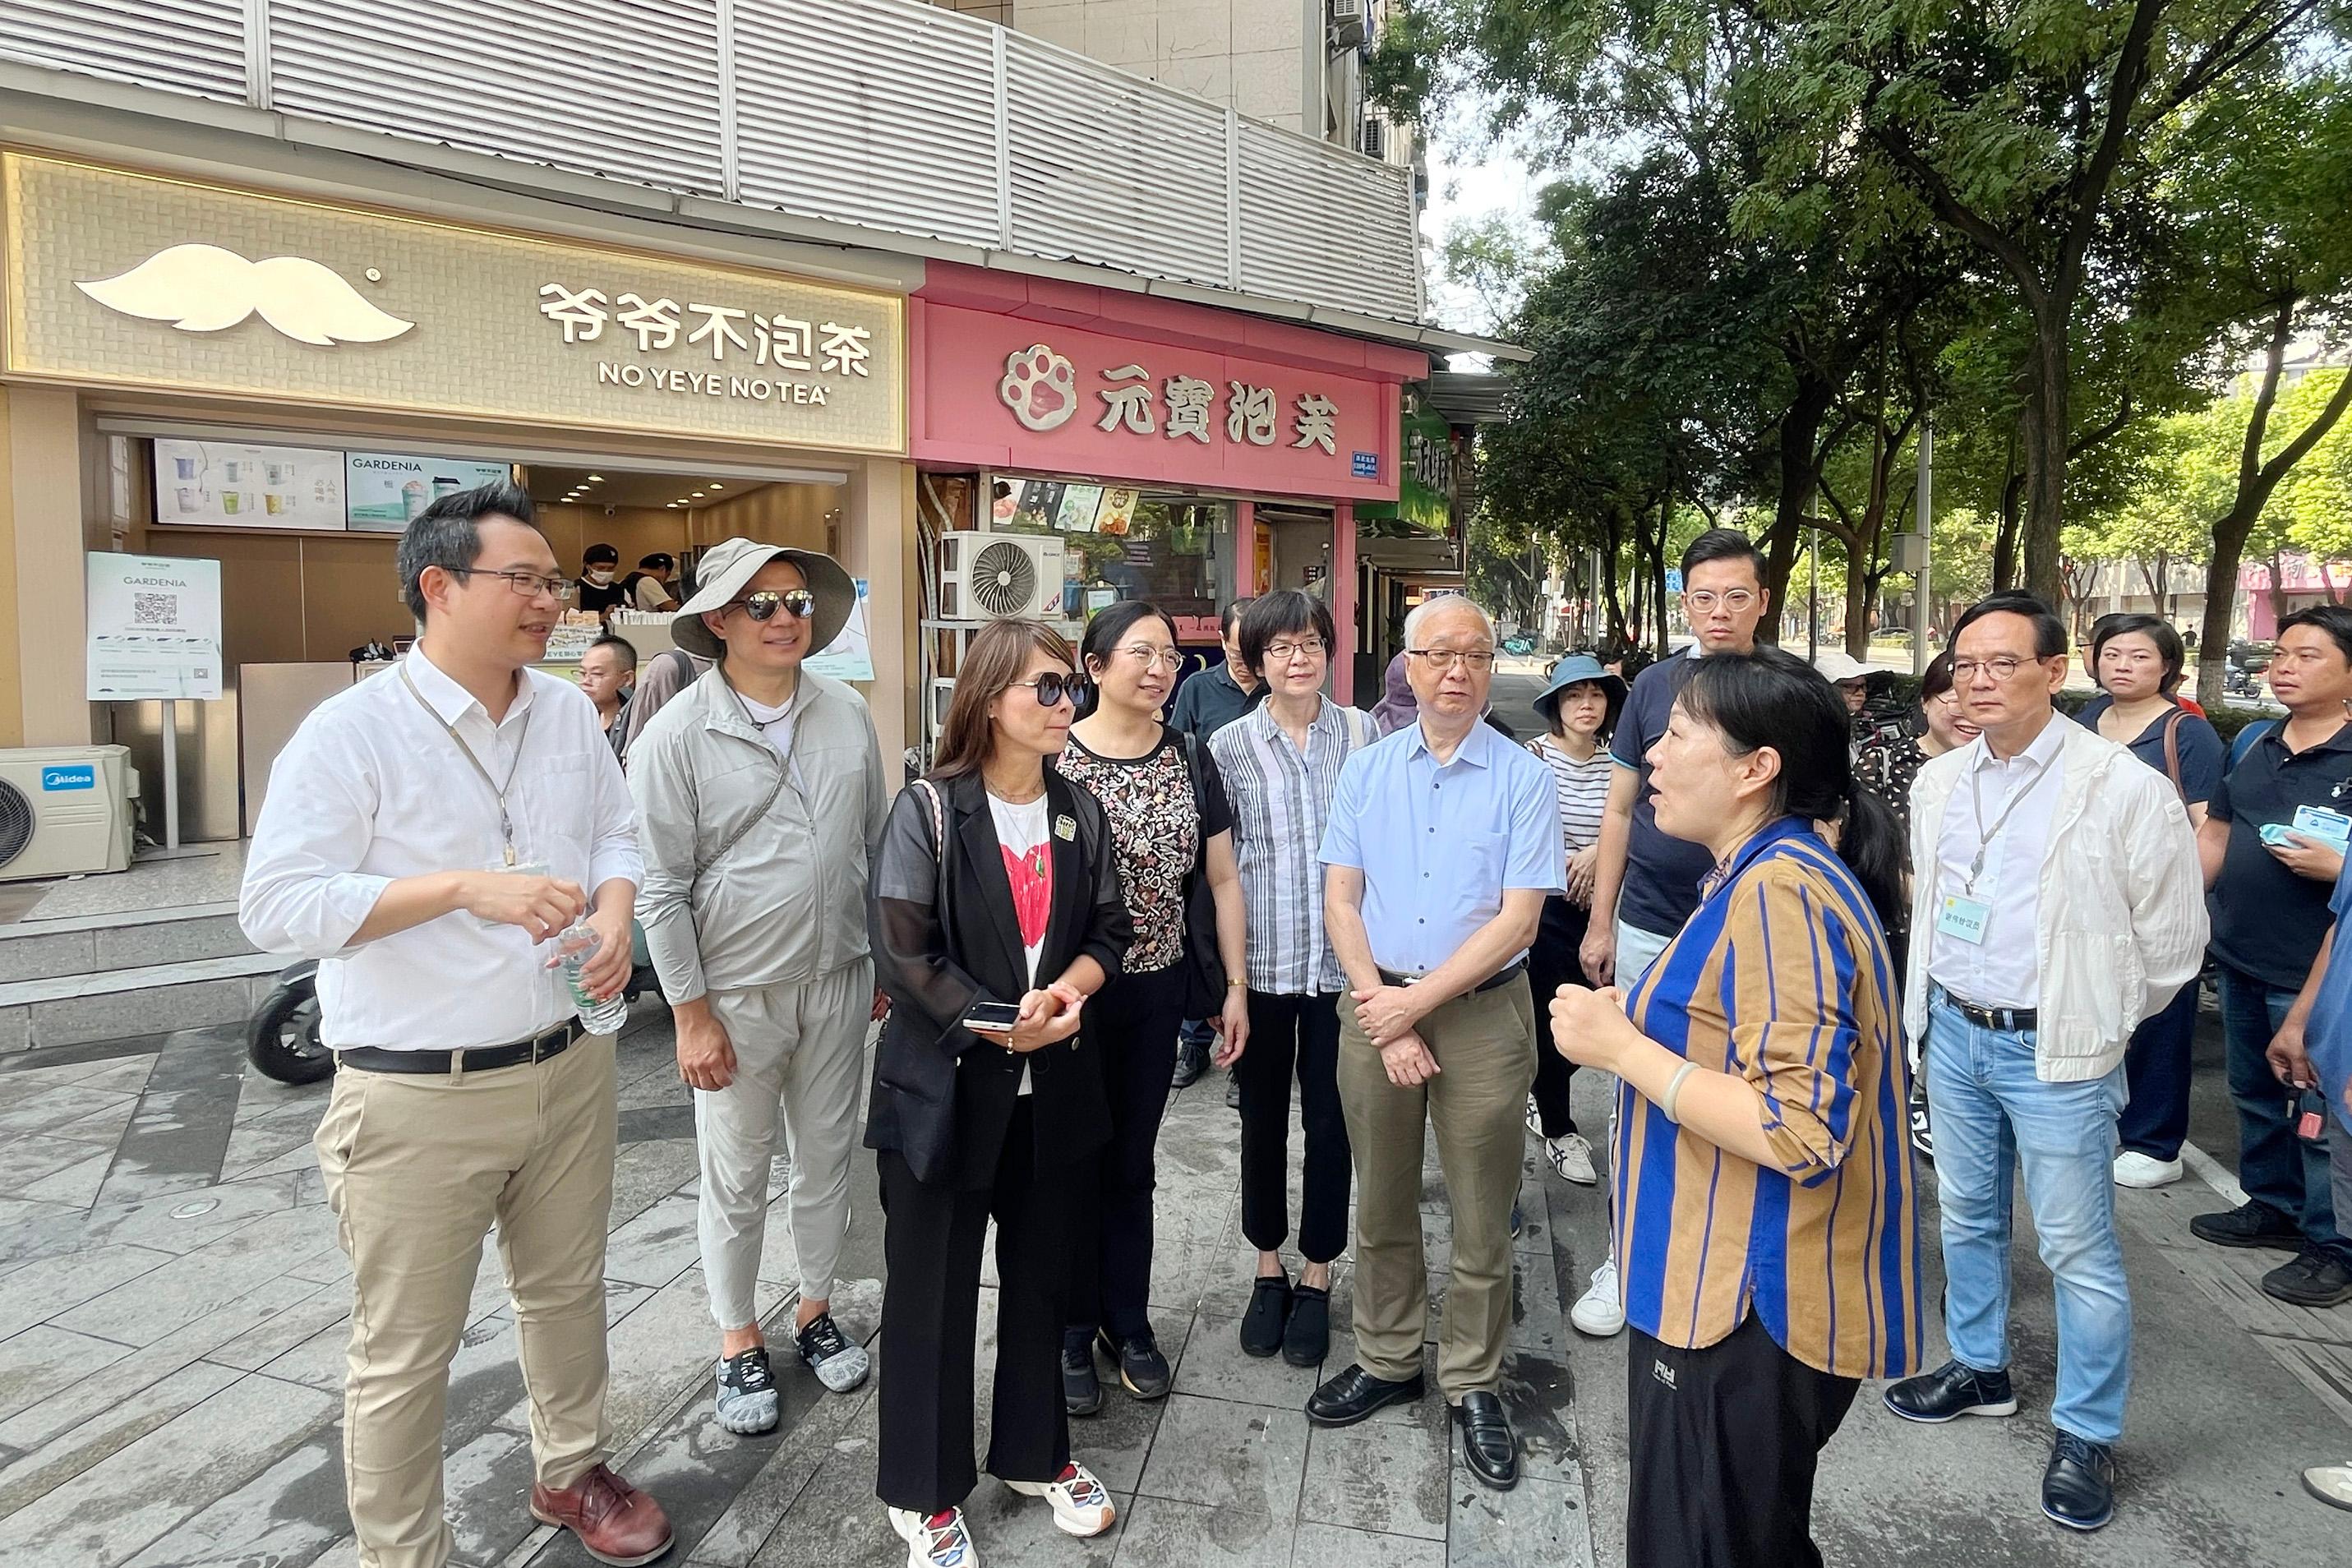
(1500, 977)
(2008, 1020)
(474, 1059)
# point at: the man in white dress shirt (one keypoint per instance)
(426, 833)
(2057, 902)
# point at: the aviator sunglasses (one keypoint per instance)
(1051, 688)
(763, 604)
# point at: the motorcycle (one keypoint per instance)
(281, 1039)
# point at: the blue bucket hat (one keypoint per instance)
(1579, 667)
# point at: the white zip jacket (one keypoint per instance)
(2122, 925)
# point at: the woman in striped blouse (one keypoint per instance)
(1765, 1214)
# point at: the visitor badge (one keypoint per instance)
(1065, 828)
(2330, 827)
(1963, 918)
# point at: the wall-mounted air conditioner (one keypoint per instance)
(1348, 22)
(65, 810)
(1376, 138)
(989, 577)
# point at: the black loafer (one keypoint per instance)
(1488, 1447)
(1952, 1391)
(1191, 1061)
(1142, 1370)
(1356, 1395)
(2078, 1489)
(2252, 1224)
(1269, 1309)
(1308, 1339)
(1081, 1390)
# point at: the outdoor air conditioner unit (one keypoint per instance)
(1376, 138)
(66, 810)
(1348, 22)
(989, 577)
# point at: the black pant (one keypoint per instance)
(2157, 1075)
(1554, 962)
(1723, 1443)
(1110, 1266)
(931, 1238)
(1286, 1032)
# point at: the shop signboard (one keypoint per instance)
(385, 491)
(1426, 487)
(154, 627)
(231, 484)
(117, 278)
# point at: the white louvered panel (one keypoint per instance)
(184, 46)
(626, 90)
(868, 112)
(1325, 227)
(1113, 169)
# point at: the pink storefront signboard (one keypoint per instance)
(1059, 378)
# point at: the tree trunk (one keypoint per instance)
(1800, 427)
(2045, 454)
(2327, 582)
(2004, 539)
(2277, 591)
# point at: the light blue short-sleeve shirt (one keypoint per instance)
(1439, 846)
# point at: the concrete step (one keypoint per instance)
(145, 999)
(35, 948)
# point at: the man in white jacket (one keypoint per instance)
(2057, 902)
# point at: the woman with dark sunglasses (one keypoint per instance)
(996, 915)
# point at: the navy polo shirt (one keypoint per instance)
(2268, 921)
(2198, 743)
(1209, 701)
(1662, 873)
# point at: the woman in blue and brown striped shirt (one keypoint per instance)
(1765, 1214)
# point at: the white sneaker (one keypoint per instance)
(1572, 1159)
(1081, 1505)
(2137, 1170)
(939, 1540)
(1597, 1311)
(1535, 1118)
(2331, 1484)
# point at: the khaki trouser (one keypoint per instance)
(1485, 1047)
(417, 1168)
(800, 1058)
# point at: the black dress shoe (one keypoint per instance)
(1269, 1311)
(1191, 1061)
(1487, 1445)
(2252, 1224)
(1950, 1392)
(1081, 1390)
(2078, 1489)
(1356, 1393)
(1306, 1340)
(1142, 1370)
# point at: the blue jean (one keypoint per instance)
(2277, 1168)
(1991, 1115)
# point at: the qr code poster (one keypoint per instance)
(154, 628)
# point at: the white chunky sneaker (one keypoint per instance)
(1081, 1504)
(1570, 1158)
(938, 1540)
(1597, 1311)
(2137, 1170)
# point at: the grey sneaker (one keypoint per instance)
(747, 1393)
(839, 1365)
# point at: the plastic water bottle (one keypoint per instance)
(573, 949)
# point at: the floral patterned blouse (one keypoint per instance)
(1156, 833)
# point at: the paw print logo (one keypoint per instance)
(1040, 386)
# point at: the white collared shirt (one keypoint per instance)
(2001, 970)
(373, 788)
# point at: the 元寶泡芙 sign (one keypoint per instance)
(785, 345)
(1040, 388)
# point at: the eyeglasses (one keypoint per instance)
(1283, 652)
(1443, 660)
(1705, 599)
(2002, 669)
(530, 585)
(1150, 657)
(1051, 688)
(1946, 698)
(763, 604)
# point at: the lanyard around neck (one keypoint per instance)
(1985, 835)
(506, 822)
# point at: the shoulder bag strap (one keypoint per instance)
(2172, 750)
(939, 822)
(747, 824)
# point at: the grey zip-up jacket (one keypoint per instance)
(786, 903)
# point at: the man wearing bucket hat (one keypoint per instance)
(760, 796)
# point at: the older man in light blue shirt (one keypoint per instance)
(1443, 843)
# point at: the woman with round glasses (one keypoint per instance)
(996, 915)
(1174, 834)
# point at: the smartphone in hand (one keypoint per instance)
(991, 1018)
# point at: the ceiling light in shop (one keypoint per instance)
(671, 505)
(595, 479)
(715, 485)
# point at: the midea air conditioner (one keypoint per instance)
(1000, 576)
(65, 809)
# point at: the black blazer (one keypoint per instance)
(943, 1095)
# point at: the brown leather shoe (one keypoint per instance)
(614, 1521)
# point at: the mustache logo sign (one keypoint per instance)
(204, 289)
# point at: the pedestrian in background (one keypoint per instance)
(425, 835)
(1205, 704)
(1280, 764)
(759, 798)
(2056, 903)
(608, 670)
(1767, 1226)
(600, 595)
(1170, 827)
(995, 896)
(1443, 844)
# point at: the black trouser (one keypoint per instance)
(2155, 1120)
(1724, 1443)
(1554, 962)
(931, 1237)
(1110, 1266)
(1287, 1032)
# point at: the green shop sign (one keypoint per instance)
(1424, 501)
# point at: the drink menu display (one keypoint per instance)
(223, 482)
(385, 490)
